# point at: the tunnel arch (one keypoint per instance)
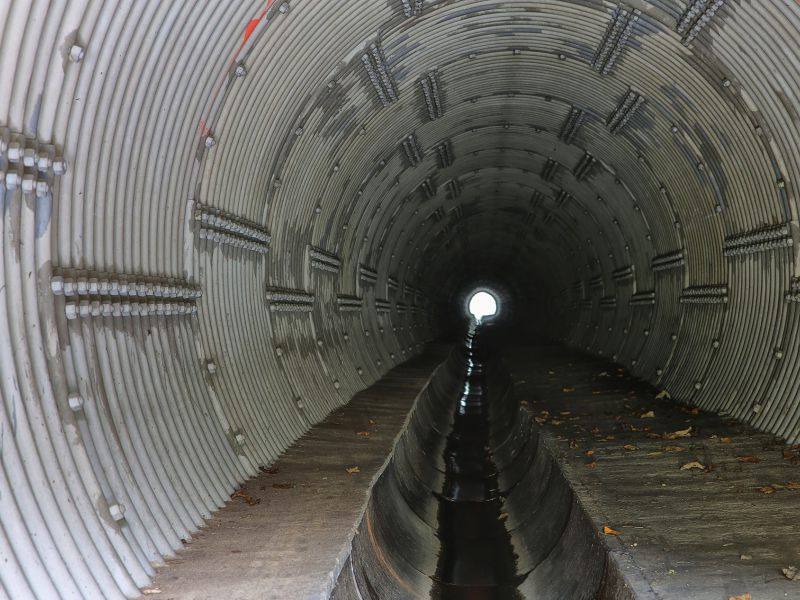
(220, 221)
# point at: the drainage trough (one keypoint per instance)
(472, 505)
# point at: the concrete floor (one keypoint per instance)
(686, 533)
(287, 532)
(723, 529)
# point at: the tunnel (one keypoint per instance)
(240, 240)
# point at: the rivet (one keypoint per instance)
(345, 337)
(659, 372)
(75, 402)
(210, 141)
(471, 55)
(320, 342)
(299, 131)
(211, 366)
(240, 70)
(781, 183)
(318, 209)
(336, 384)
(562, 57)
(277, 183)
(756, 408)
(778, 354)
(239, 438)
(673, 337)
(715, 344)
(284, 8)
(718, 208)
(633, 362)
(516, 51)
(378, 362)
(674, 129)
(698, 385)
(726, 82)
(646, 332)
(76, 53)
(279, 351)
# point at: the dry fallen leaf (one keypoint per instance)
(566, 390)
(693, 465)
(725, 440)
(283, 486)
(609, 531)
(556, 422)
(565, 413)
(791, 573)
(363, 433)
(663, 394)
(674, 449)
(540, 420)
(748, 459)
(589, 452)
(767, 489)
(352, 470)
(246, 497)
(681, 433)
(630, 447)
(648, 415)
(150, 591)
(573, 443)
(746, 596)
(372, 422)
(502, 516)
(591, 465)
(793, 485)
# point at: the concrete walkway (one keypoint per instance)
(706, 513)
(286, 533)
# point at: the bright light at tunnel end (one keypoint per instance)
(482, 304)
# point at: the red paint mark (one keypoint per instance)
(203, 127)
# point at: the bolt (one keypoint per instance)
(278, 350)
(211, 366)
(28, 184)
(42, 188)
(336, 384)
(726, 83)
(29, 157)
(562, 57)
(715, 344)
(778, 354)
(240, 70)
(75, 402)
(299, 131)
(360, 371)
(59, 166)
(698, 385)
(674, 129)
(13, 181)
(15, 152)
(239, 438)
(117, 511)
(210, 141)
(283, 8)
(781, 183)
(76, 53)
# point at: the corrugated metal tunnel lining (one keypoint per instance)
(221, 220)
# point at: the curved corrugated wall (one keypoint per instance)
(221, 219)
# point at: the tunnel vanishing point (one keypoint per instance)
(239, 240)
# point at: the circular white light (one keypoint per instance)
(482, 304)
